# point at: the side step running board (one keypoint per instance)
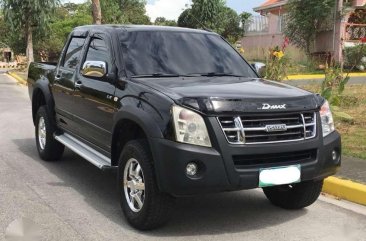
(94, 157)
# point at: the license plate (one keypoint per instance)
(279, 175)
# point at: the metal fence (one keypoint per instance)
(354, 32)
(256, 24)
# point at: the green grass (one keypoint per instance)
(353, 134)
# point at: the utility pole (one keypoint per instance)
(97, 12)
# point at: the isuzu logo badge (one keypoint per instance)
(266, 106)
(273, 128)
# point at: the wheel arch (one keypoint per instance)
(42, 96)
(131, 124)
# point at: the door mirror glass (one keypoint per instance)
(96, 69)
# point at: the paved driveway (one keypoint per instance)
(73, 200)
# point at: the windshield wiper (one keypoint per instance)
(158, 75)
(211, 74)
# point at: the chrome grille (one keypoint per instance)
(261, 129)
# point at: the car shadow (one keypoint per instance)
(199, 215)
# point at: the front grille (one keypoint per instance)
(274, 128)
(285, 158)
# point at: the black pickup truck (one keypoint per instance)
(179, 112)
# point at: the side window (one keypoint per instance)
(72, 57)
(98, 51)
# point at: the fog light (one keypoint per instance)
(334, 155)
(191, 169)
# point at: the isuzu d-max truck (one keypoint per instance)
(179, 112)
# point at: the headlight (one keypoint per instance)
(190, 127)
(327, 119)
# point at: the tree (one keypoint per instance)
(27, 17)
(244, 19)
(305, 19)
(97, 13)
(111, 11)
(186, 19)
(163, 21)
(65, 19)
(230, 25)
(124, 11)
(207, 12)
(215, 15)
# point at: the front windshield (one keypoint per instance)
(161, 53)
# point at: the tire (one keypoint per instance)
(156, 206)
(295, 196)
(48, 148)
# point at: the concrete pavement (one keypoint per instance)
(73, 200)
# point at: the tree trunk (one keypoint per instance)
(29, 51)
(97, 12)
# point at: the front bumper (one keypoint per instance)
(217, 171)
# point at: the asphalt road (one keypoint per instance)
(73, 200)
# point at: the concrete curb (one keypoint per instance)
(345, 189)
(319, 76)
(17, 77)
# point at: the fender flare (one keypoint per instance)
(43, 85)
(143, 119)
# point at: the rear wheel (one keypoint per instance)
(143, 205)
(48, 148)
(294, 196)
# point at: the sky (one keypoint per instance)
(171, 9)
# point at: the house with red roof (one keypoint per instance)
(267, 30)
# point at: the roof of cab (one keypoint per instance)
(132, 28)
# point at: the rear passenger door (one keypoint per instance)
(94, 97)
(63, 84)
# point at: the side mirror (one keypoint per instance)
(260, 68)
(96, 69)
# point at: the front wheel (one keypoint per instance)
(143, 205)
(294, 196)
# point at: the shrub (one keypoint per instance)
(355, 56)
(277, 63)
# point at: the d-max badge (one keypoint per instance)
(266, 106)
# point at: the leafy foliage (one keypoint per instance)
(358, 16)
(208, 12)
(124, 11)
(163, 21)
(335, 81)
(276, 64)
(244, 18)
(28, 16)
(230, 25)
(333, 85)
(214, 15)
(67, 17)
(186, 19)
(305, 18)
(355, 56)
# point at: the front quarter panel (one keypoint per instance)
(150, 109)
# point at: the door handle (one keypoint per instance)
(78, 85)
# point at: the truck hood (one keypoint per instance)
(222, 95)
